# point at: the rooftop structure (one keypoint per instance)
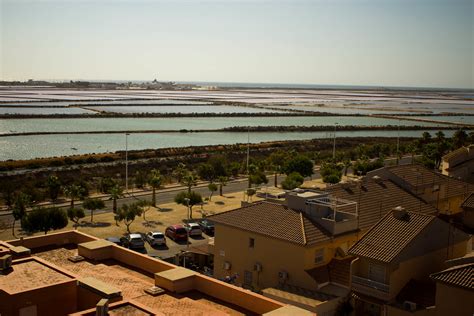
(80, 270)
(376, 197)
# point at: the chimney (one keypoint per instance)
(399, 212)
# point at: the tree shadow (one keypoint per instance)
(151, 224)
(164, 209)
(94, 224)
(219, 203)
(230, 196)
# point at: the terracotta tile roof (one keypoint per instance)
(461, 276)
(376, 199)
(274, 220)
(390, 236)
(418, 176)
(455, 153)
(469, 201)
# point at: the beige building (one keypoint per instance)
(459, 164)
(395, 258)
(74, 273)
(297, 251)
(455, 290)
(445, 193)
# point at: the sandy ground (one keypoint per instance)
(156, 218)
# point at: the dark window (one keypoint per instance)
(251, 242)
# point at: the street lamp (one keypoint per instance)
(187, 230)
(126, 162)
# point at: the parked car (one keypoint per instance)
(133, 241)
(115, 240)
(207, 226)
(176, 232)
(156, 239)
(193, 229)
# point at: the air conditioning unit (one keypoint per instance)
(5, 262)
(257, 267)
(283, 275)
(409, 306)
(227, 265)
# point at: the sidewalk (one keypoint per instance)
(131, 193)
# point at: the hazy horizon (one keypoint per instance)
(387, 43)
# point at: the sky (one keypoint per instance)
(410, 43)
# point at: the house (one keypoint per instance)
(444, 193)
(455, 290)
(74, 273)
(468, 212)
(459, 164)
(395, 258)
(297, 251)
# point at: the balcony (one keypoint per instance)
(370, 288)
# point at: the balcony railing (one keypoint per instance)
(371, 283)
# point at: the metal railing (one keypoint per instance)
(370, 283)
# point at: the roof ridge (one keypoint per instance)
(302, 228)
(457, 267)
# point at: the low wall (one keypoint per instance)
(59, 238)
(141, 261)
(235, 295)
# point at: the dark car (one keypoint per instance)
(207, 226)
(176, 232)
(115, 240)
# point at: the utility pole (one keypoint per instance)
(248, 154)
(398, 143)
(187, 231)
(126, 162)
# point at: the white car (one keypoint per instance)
(193, 229)
(155, 239)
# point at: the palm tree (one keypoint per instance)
(189, 181)
(277, 160)
(155, 182)
(116, 192)
(73, 192)
(20, 203)
(54, 186)
(180, 171)
(222, 182)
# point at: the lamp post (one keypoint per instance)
(398, 142)
(126, 162)
(187, 230)
(248, 155)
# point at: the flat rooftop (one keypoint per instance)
(132, 282)
(30, 274)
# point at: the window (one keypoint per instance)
(248, 278)
(319, 256)
(251, 243)
(377, 272)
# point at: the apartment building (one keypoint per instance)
(395, 258)
(443, 192)
(74, 273)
